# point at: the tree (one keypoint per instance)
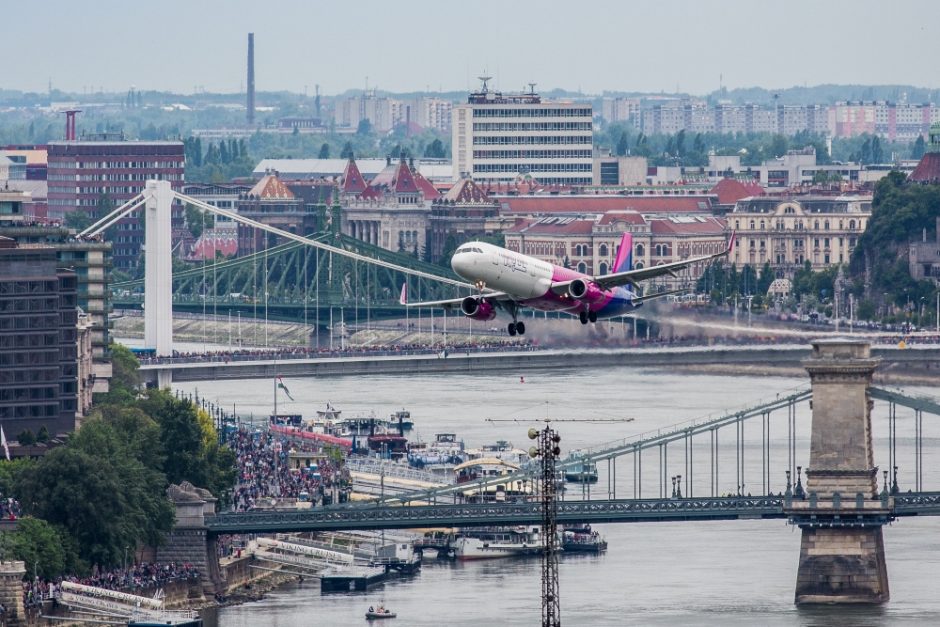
(125, 376)
(435, 150)
(365, 127)
(623, 144)
(26, 437)
(78, 219)
(43, 435)
(919, 148)
(40, 545)
(876, 152)
(100, 493)
(347, 152)
(324, 151)
(197, 220)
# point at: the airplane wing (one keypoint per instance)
(641, 299)
(632, 277)
(450, 303)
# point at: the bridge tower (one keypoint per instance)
(158, 268)
(842, 557)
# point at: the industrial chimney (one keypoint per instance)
(251, 78)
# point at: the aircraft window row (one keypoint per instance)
(469, 249)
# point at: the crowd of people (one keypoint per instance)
(264, 471)
(10, 508)
(287, 353)
(134, 579)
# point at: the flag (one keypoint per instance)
(280, 385)
(3, 442)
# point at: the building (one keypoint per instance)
(928, 169)
(272, 202)
(621, 110)
(924, 257)
(435, 170)
(787, 232)
(91, 263)
(462, 214)
(619, 171)
(97, 176)
(590, 244)
(535, 206)
(38, 342)
(392, 212)
(498, 136)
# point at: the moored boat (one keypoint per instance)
(498, 543)
(379, 613)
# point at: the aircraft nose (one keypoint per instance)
(461, 264)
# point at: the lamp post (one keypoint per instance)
(548, 451)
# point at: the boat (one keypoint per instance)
(582, 539)
(379, 613)
(443, 454)
(498, 542)
(581, 471)
(503, 450)
(401, 420)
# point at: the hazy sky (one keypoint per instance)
(404, 45)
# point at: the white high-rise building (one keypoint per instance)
(498, 137)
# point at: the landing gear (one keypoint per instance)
(592, 316)
(512, 328)
(583, 317)
(516, 328)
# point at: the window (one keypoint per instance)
(640, 250)
(582, 268)
(602, 251)
(603, 268)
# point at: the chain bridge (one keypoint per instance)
(840, 502)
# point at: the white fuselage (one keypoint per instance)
(503, 270)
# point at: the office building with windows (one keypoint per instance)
(497, 137)
(97, 176)
(39, 342)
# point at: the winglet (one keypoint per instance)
(403, 299)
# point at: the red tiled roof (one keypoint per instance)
(928, 170)
(270, 187)
(466, 191)
(404, 181)
(554, 226)
(370, 193)
(603, 204)
(695, 226)
(427, 188)
(730, 191)
(613, 217)
(353, 183)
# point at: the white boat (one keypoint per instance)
(498, 543)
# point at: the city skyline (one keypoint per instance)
(438, 47)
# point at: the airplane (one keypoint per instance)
(511, 281)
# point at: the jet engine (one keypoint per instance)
(477, 308)
(585, 291)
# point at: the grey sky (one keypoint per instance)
(404, 45)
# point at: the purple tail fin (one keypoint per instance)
(624, 260)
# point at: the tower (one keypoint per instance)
(250, 105)
(842, 556)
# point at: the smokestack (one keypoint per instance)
(251, 78)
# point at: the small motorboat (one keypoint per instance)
(379, 613)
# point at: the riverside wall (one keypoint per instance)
(919, 361)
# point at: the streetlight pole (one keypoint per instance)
(548, 450)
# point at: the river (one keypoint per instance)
(715, 573)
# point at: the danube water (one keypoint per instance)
(713, 573)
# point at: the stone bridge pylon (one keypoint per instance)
(842, 556)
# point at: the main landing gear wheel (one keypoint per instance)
(592, 316)
(516, 328)
(583, 317)
(512, 328)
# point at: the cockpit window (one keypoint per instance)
(462, 250)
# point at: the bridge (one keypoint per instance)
(840, 502)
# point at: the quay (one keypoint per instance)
(918, 360)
